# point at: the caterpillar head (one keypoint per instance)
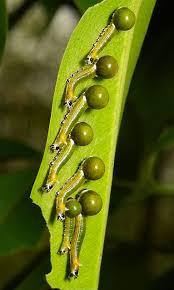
(47, 187)
(69, 104)
(74, 274)
(61, 217)
(89, 60)
(54, 147)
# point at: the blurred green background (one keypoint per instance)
(139, 244)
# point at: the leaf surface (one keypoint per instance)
(125, 47)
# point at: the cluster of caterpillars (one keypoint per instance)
(73, 211)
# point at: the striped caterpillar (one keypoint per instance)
(122, 19)
(95, 97)
(91, 168)
(76, 243)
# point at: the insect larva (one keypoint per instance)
(81, 135)
(105, 67)
(70, 119)
(122, 19)
(76, 243)
(68, 229)
(95, 97)
(67, 189)
(91, 168)
(104, 36)
(57, 164)
(85, 72)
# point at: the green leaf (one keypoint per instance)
(20, 223)
(14, 267)
(15, 149)
(83, 5)
(3, 26)
(125, 47)
(35, 279)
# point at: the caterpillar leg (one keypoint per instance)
(84, 72)
(67, 235)
(103, 38)
(76, 243)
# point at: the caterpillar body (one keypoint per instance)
(79, 107)
(103, 38)
(57, 163)
(68, 229)
(76, 243)
(82, 73)
(67, 189)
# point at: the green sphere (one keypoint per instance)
(107, 67)
(123, 18)
(93, 168)
(73, 207)
(82, 134)
(91, 203)
(97, 97)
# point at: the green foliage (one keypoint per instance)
(83, 5)
(35, 279)
(125, 48)
(14, 149)
(15, 208)
(3, 26)
(21, 225)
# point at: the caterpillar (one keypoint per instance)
(69, 120)
(91, 168)
(68, 229)
(76, 243)
(105, 67)
(81, 135)
(104, 36)
(67, 189)
(95, 97)
(57, 163)
(84, 72)
(122, 19)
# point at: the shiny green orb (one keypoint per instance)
(93, 168)
(97, 97)
(123, 18)
(91, 203)
(107, 67)
(73, 208)
(82, 134)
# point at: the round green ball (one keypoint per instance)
(91, 203)
(97, 97)
(93, 168)
(107, 67)
(73, 207)
(82, 134)
(123, 18)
